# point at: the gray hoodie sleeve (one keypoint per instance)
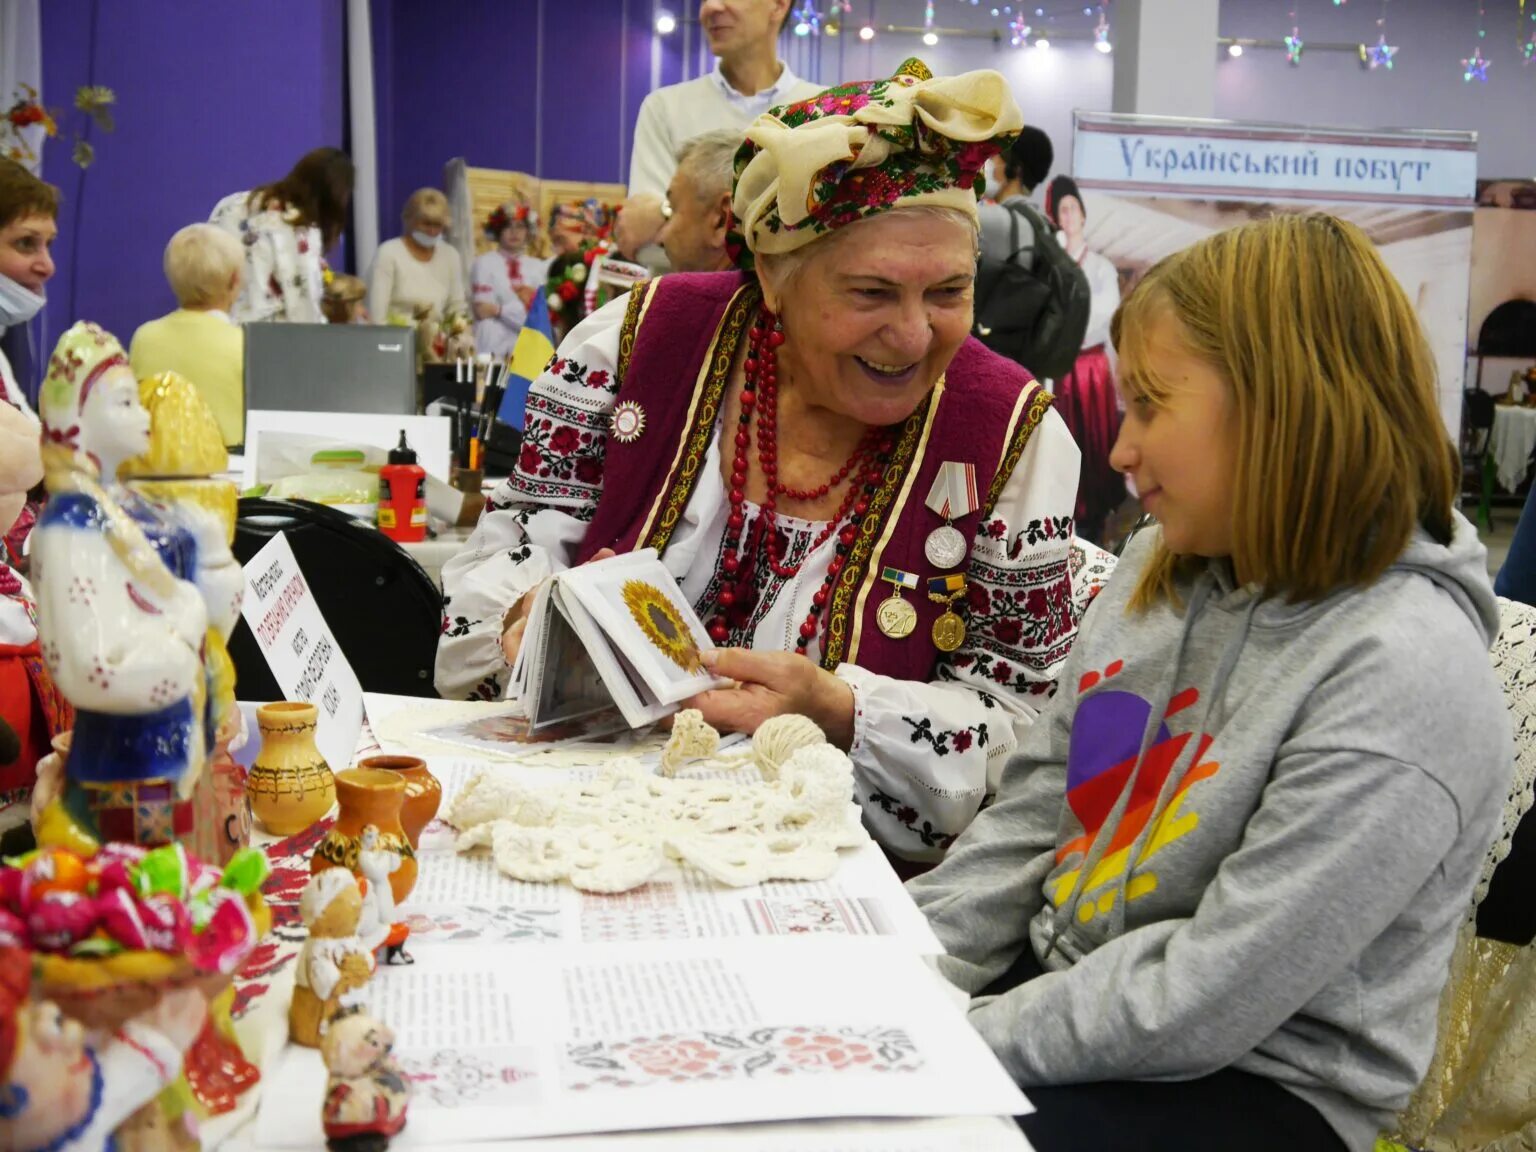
(1340, 843)
(981, 899)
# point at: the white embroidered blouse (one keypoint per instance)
(284, 263)
(924, 754)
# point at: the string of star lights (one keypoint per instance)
(1379, 55)
(1475, 67)
(1528, 49)
(1294, 43)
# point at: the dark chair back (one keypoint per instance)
(383, 609)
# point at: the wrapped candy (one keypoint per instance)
(225, 936)
(13, 930)
(165, 871)
(59, 920)
(154, 924)
(52, 870)
(246, 871)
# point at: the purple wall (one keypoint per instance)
(211, 98)
(448, 86)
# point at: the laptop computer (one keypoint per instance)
(331, 368)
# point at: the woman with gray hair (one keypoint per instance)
(870, 510)
(698, 205)
(417, 270)
(205, 266)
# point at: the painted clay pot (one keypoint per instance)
(368, 796)
(221, 810)
(423, 793)
(290, 785)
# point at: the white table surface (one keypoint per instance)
(946, 1134)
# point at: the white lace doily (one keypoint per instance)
(1514, 659)
(613, 833)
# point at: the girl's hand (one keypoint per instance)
(774, 684)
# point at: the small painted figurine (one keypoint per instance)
(381, 933)
(334, 965)
(59, 1094)
(366, 1095)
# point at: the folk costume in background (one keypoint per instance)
(1086, 398)
(616, 454)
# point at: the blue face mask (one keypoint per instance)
(425, 240)
(17, 303)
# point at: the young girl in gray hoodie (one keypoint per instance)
(1214, 902)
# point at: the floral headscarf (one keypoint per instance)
(82, 356)
(866, 147)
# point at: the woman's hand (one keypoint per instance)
(485, 309)
(774, 684)
(515, 622)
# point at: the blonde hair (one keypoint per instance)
(201, 262)
(342, 296)
(1341, 451)
(426, 206)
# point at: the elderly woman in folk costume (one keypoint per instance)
(871, 511)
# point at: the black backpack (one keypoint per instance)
(1033, 315)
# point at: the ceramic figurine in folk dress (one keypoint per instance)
(182, 470)
(122, 620)
(366, 1094)
(59, 1093)
(334, 965)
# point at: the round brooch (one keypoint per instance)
(628, 422)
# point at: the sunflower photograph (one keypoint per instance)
(662, 624)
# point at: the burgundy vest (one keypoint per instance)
(676, 352)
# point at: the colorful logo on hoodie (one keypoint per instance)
(1107, 730)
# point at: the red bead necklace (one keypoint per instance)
(759, 393)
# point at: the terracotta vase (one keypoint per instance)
(423, 793)
(368, 796)
(290, 785)
(221, 820)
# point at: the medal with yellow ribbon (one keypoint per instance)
(948, 629)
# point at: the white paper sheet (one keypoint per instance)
(525, 1042)
(464, 899)
(952, 1134)
(305, 659)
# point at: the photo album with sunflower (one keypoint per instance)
(610, 639)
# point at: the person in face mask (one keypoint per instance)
(419, 268)
(28, 226)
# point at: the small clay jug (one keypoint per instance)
(290, 785)
(368, 796)
(423, 793)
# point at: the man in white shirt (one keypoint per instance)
(699, 203)
(748, 79)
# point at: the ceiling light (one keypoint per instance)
(930, 38)
(1234, 50)
(802, 29)
(1042, 43)
(1104, 46)
(666, 23)
(867, 32)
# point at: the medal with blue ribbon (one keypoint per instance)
(895, 616)
(948, 629)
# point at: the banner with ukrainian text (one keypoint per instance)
(1152, 185)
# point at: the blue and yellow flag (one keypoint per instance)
(530, 356)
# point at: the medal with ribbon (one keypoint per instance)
(952, 495)
(896, 617)
(948, 629)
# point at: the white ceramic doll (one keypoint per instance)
(60, 1094)
(378, 928)
(122, 628)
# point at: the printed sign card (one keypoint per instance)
(304, 657)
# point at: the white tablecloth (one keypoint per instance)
(1513, 439)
